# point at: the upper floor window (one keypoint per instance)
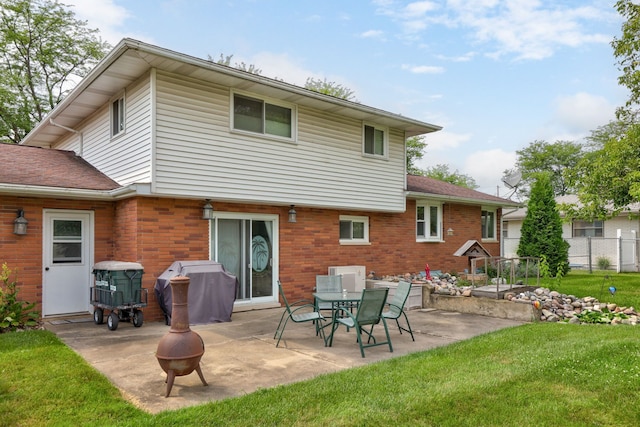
(488, 224)
(117, 116)
(588, 228)
(428, 220)
(375, 141)
(259, 116)
(354, 229)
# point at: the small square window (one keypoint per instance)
(375, 141)
(354, 229)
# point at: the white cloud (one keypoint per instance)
(423, 69)
(527, 29)
(444, 141)
(486, 167)
(582, 112)
(372, 34)
(108, 17)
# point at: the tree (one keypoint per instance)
(330, 88)
(443, 173)
(226, 60)
(541, 232)
(555, 158)
(43, 51)
(415, 151)
(609, 178)
(627, 51)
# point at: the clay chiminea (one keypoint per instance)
(180, 350)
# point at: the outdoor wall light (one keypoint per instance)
(207, 210)
(20, 223)
(450, 232)
(292, 214)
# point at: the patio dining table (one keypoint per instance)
(337, 300)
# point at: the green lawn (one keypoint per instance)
(581, 283)
(534, 375)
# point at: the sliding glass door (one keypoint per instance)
(246, 245)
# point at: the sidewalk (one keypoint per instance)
(241, 357)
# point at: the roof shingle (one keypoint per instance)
(427, 185)
(50, 168)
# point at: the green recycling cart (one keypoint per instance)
(118, 289)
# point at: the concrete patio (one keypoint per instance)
(241, 357)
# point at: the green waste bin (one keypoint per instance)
(118, 283)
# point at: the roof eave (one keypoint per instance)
(411, 127)
(464, 200)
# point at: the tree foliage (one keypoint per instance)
(442, 173)
(626, 49)
(329, 88)
(44, 49)
(556, 158)
(609, 178)
(541, 232)
(226, 60)
(415, 151)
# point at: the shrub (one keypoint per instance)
(14, 314)
(603, 263)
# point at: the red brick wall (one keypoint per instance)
(23, 254)
(309, 246)
(156, 232)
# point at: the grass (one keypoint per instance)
(581, 283)
(538, 374)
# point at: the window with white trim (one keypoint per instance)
(587, 228)
(354, 229)
(488, 224)
(256, 115)
(375, 140)
(428, 222)
(117, 116)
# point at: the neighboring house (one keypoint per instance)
(588, 240)
(122, 168)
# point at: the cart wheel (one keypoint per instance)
(98, 316)
(137, 318)
(112, 321)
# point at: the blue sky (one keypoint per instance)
(495, 74)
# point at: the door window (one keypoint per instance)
(67, 241)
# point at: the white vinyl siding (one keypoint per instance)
(127, 158)
(198, 154)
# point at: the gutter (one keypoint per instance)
(468, 200)
(75, 193)
(77, 132)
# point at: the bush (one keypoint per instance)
(603, 263)
(14, 314)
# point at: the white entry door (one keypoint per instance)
(67, 261)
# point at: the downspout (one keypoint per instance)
(77, 132)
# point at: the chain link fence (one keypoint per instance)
(601, 253)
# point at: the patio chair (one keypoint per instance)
(396, 307)
(327, 284)
(292, 311)
(369, 314)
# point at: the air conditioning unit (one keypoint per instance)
(353, 276)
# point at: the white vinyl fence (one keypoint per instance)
(622, 252)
